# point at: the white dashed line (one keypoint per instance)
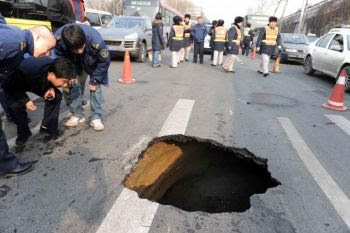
(130, 214)
(341, 122)
(330, 188)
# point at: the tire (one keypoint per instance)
(347, 81)
(142, 55)
(308, 69)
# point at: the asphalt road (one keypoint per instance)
(78, 178)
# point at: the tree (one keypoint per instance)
(264, 6)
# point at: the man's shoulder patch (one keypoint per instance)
(95, 46)
(104, 53)
(22, 46)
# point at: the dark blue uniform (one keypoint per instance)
(31, 76)
(14, 43)
(95, 60)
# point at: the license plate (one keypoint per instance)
(292, 55)
(112, 47)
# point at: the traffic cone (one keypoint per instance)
(254, 53)
(127, 77)
(336, 101)
(276, 67)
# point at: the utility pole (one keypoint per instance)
(302, 14)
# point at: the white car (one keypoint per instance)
(98, 18)
(330, 54)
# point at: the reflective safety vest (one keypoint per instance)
(271, 36)
(179, 32)
(220, 34)
(246, 32)
(239, 36)
(187, 27)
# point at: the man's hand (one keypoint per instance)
(72, 82)
(258, 49)
(50, 94)
(30, 106)
(279, 47)
(92, 88)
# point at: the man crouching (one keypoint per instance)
(43, 77)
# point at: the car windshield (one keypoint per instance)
(126, 23)
(312, 38)
(295, 39)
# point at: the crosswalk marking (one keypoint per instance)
(341, 122)
(330, 188)
(130, 214)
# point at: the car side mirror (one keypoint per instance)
(337, 48)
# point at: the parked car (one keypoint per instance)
(311, 37)
(98, 18)
(294, 47)
(128, 33)
(330, 54)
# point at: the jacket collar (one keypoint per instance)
(157, 21)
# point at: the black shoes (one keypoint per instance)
(265, 75)
(20, 169)
(201, 62)
(186, 60)
(21, 140)
(50, 132)
(260, 72)
(194, 61)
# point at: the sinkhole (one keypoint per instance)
(196, 174)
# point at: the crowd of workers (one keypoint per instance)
(40, 61)
(183, 36)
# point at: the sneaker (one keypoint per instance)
(97, 125)
(74, 121)
(186, 59)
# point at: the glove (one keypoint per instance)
(258, 49)
(279, 47)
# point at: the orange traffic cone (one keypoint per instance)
(336, 101)
(276, 67)
(254, 53)
(127, 71)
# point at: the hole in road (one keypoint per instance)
(199, 175)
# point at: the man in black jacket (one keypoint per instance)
(43, 77)
(157, 38)
(62, 12)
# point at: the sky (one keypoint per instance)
(229, 9)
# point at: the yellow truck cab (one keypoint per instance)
(25, 14)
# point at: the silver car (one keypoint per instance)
(330, 54)
(128, 33)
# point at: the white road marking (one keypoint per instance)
(130, 214)
(136, 147)
(341, 122)
(330, 188)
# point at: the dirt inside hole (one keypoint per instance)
(194, 174)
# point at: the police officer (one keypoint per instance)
(84, 45)
(176, 41)
(248, 35)
(187, 40)
(234, 41)
(268, 38)
(219, 35)
(43, 77)
(14, 44)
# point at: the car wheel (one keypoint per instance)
(347, 79)
(308, 66)
(141, 57)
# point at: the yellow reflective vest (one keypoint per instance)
(179, 32)
(239, 36)
(187, 27)
(220, 34)
(271, 36)
(246, 32)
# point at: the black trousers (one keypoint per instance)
(246, 48)
(198, 50)
(51, 114)
(7, 160)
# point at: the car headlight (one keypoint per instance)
(291, 50)
(132, 36)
